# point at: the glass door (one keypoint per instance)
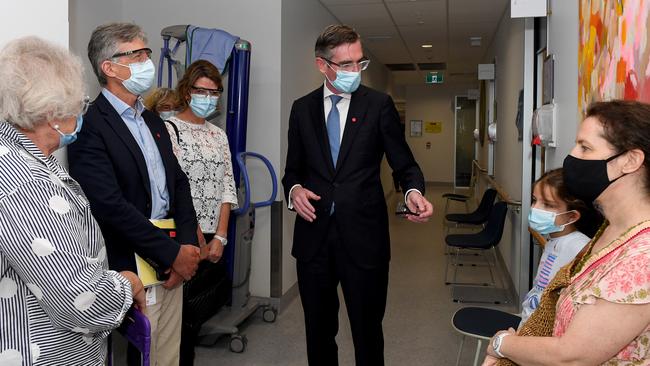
(465, 121)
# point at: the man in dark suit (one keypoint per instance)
(124, 162)
(338, 135)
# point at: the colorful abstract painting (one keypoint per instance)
(613, 54)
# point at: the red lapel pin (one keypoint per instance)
(158, 135)
(354, 119)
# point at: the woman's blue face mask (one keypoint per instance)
(203, 106)
(66, 139)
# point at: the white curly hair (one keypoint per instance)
(39, 82)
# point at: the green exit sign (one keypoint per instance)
(434, 77)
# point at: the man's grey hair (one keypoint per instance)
(39, 82)
(105, 42)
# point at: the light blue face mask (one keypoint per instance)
(166, 115)
(67, 139)
(346, 81)
(203, 106)
(543, 221)
(141, 79)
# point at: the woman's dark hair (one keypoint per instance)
(332, 37)
(627, 126)
(198, 69)
(590, 219)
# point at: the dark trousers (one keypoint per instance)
(191, 327)
(364, 291)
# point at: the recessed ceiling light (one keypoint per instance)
(475, 41)
(427, 45)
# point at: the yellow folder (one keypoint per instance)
(146, 272)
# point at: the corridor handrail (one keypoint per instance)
(506, 198)
(503, 195)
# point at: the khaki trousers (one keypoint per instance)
(165, 317)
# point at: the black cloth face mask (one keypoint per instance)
(587, 179)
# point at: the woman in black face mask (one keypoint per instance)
(597, 309)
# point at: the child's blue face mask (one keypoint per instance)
(543, 221)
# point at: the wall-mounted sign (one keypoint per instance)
(416, 128)
(527, 8)
(486, 71)
(434, 77)
(433, 127)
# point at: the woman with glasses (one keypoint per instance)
(203, 153)
(58, 300)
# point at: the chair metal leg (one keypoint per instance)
(460, 350)
(496, 268)
(447, 268)
(456, 264)
(489, 265)
(478, 351)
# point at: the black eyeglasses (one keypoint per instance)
(140, 54)
(350, 66)
(207, 92)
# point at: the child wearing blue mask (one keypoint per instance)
(563, 220)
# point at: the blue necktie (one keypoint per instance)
(334, 128)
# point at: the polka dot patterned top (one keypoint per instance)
(58, 300)
(204, 156)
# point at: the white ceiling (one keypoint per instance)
(393, 31)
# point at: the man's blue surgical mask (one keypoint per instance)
(543, 221)
(142, 76)
(346, 81)
(66, 139)
(203, 106)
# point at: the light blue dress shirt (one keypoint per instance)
(142, 135)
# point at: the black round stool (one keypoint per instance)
(482, 324)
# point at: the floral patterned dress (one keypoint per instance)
(203, 153)
(619, 273)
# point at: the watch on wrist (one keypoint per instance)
(224, 241)
(497, 342)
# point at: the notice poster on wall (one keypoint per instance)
(433, 127)
(416, 128)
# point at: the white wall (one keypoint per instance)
(434, 103)
(563, 44)
(45, 19)
(48, 20)
(508, 48)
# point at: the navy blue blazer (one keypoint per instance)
(372, 129)
(110, 167)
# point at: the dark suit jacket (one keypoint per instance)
(372, 128)
(108, 163)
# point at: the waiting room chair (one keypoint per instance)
(482, 324)
(137, 330)
(464, 198)
(478, 216)
(483, 241)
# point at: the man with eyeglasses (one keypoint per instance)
(338, 135)
(125, 164)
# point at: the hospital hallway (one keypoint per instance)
(417, 324)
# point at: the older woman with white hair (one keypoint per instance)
(58, 300)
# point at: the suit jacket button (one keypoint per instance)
(336, 185)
